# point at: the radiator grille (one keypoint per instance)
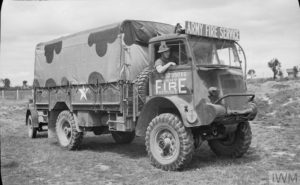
(233, 84)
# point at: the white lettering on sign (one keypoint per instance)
(173, 83)
(172, 86)
(181, 86)
(195, 28)
(212, 31)
(230, 34)
(176, 75)
(157, 86)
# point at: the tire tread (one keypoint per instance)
(186, 142)
(76, 137)
(239, 147)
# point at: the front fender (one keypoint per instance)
(153, 108)
(186, 110)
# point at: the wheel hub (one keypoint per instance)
(229, 139)
(166, 143)
(67, 131)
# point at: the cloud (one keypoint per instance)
(268, 28)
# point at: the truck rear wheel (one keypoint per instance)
(142, 81)
(169, 143)
(31, 130)
(67, 134)
(235, 144)
(123, 137)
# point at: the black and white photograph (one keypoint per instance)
(151, 92)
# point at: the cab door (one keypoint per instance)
(177, 80)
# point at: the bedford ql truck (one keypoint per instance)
(104, 81)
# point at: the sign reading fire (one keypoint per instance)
(206, 30)
(173, 83)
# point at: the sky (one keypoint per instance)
(268, 29)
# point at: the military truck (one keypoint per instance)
(104, 81)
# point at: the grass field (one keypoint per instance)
(275, 146)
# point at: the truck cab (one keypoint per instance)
(207, 70)
(205, 93)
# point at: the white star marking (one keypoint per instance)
(83, 92)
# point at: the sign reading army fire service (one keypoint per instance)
(172, 83)
(206, 30)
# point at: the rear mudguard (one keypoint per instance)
(34, 115)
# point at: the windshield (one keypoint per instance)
(209, 51)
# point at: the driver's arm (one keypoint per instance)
(163, 68)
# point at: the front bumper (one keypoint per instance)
(223, 114)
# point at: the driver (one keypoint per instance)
(163, 63)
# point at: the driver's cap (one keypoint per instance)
(163, 47)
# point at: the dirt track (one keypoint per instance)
(275, 146)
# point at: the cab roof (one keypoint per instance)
(168, 37)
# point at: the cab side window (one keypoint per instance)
(178, 52)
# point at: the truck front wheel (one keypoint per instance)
(123, 137)
(67, 134)
(169, 144)
(234, 144)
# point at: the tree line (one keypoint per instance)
(6, 84)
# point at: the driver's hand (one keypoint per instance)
(172, 64)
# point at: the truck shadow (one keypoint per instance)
(105, 143)
(203, 157)
(43, 134)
